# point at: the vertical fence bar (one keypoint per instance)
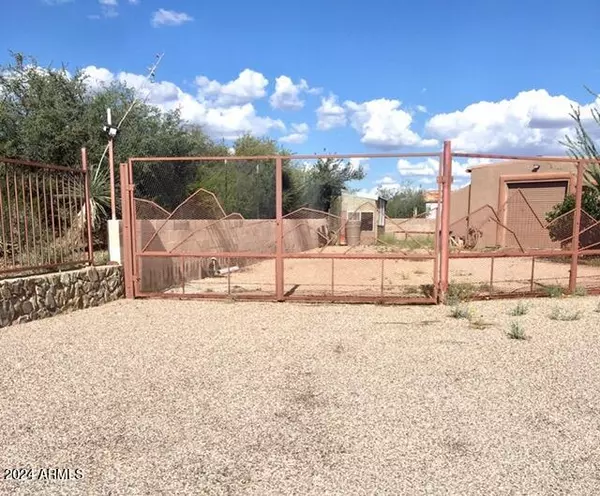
(18, 218)
(55, 259)
(332, 276)
(4, 239)
(182, 268)
(436, 238)
(88, 212)
(382, 276)
(39, 212)
(71, 227)
(10, 217)
(445, 229)
(49, 250)
(532, 274)
(32, 210)
(127, 239)
(228, 278)
(279, 228)
(59, 215)
(25, 219)
(576, 228)
(492, 275)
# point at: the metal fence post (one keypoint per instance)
(88, 205)
(127, 234)
(279, 228)
(576, 228)
(445, 229)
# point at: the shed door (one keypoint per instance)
(527, 206)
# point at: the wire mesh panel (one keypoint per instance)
(43, 221)
(206, 227)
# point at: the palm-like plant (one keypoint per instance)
(582, 146)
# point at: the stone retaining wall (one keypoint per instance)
(36, 297)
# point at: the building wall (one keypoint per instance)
(481, 198)
(230, 235)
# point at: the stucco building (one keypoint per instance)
(507, 202)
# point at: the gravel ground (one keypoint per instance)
(187, 397)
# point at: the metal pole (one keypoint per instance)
(445, 229)
(88, 211)
(127, 233)
(576, 228)
(279, 228)
(111, 168)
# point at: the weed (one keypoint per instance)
(580, 291)
(419, 272)
(410, 243)
(404, 276)
(460, 291)
(516, 331)
(597, 308)
(520, 309)
(563, 315)
(554, 291)
(459, 312)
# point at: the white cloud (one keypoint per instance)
(134, 2)
(57, 2)
(382, 123)
(113, 3)
(163, 17)
(249, 85)
(330, 114)
(299, 134)
(287, 95)
(533, 122)
(219, 120)
(421, 108)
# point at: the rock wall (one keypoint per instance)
(36, 297)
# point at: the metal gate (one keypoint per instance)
(234, 231)
(234, 227)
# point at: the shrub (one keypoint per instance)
(516, 331)
(563, 315)
(459, 312)
(554, 291)
(520, 309)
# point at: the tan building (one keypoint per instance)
(506, 203)
(370, 210)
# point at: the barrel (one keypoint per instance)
(353, 232)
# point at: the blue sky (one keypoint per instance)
(493, 76)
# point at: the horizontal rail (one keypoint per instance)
(297, 299)
(40, 165)
(287, 157)
(299, 255)
(47, 266)
(523, 157)
(512, 254)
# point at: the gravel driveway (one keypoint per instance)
(170, 397)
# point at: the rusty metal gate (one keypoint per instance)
(272, 228)
(226, 227)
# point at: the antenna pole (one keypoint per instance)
(112, 131)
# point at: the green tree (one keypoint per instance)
(47, 115)
(326, 181)
(404, 203)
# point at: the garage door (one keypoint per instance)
(527, 206)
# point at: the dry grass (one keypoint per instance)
(168, 397)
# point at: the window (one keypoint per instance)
(353, 215)
(366, 221)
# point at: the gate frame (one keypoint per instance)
(131, 255)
